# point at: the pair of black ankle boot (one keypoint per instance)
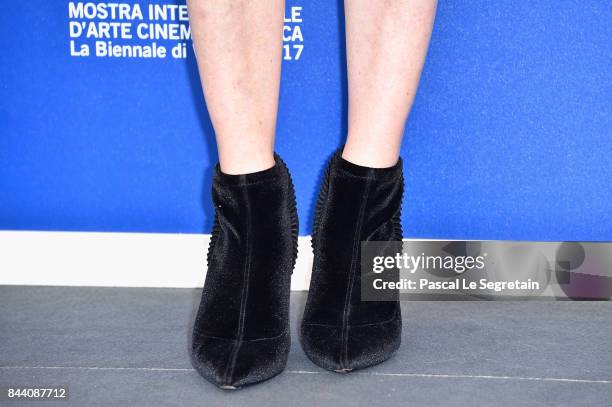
(241, 332)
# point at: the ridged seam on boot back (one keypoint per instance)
(295, 228)
(323, 193)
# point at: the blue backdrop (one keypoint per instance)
(509, 137)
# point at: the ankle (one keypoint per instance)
(270, 174)
(372, 155)
(246, 162)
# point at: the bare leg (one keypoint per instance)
(386, 42)
(238, 45)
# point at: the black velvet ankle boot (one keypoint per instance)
(241, 332)
(340, 332)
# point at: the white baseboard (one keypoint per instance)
(116, 259)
